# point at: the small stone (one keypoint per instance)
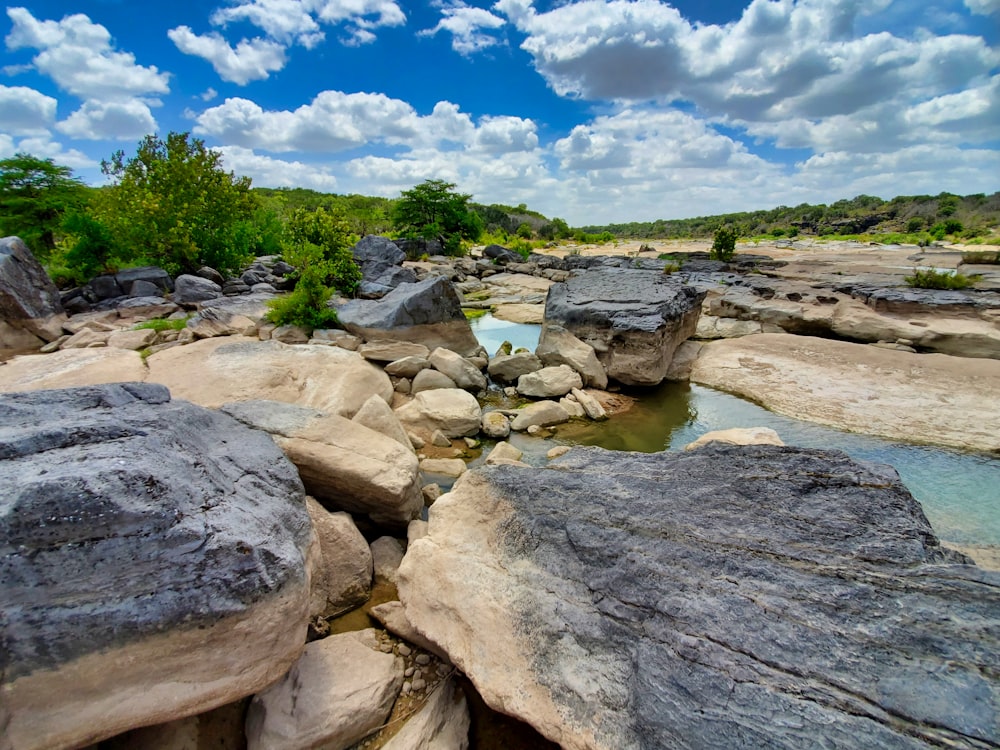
(431, 492)
(407, 688)
(409, 672)
(416, 441)
(440, 439)
(443, 669)
(534, 429)
(559, 450)
(385, 648)
(510, 391)
(403, 650)
(471, 442)
(419, 685)
(403, 385)
(423, 659)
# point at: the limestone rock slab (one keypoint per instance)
(454, 412)
(71, 367)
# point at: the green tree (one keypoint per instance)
(172, 204)
(724, 244)
(35, 195)
(434, 211)
(330, 233)
(524, 230)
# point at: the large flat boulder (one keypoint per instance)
(71, 367)
(929, 398)
(212, 372)
(452, 411)
(154, 562)
(633, 319)
(756, 596)
(428, 312)
(29, 302)
(343, 464)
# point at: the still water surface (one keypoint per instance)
(960, 491)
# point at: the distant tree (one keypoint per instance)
(35, 195)
(173, 204)
(524, 230)
(433, 210)
(724, 244)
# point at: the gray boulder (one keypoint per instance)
(634, 320)
(750, 597)
(560, 347)
(501, 255)
(147, 274)
(428, 312)
(30, 308)
(380, 261)
(189, 289)
(138, 552)
(463, 372)
(509, 367)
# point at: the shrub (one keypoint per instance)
(306, 305)
(724, 244)
(933, 279)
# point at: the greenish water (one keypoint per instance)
(959, 491)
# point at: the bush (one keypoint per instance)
(306, 305)
(724, 244)
(932, 279)
(162, 324)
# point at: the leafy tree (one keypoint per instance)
(433, 210)
(93, 250)
(524, 230)
(174, 205)
(724, 244)
(35, 194)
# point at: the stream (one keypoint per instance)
(959, 491)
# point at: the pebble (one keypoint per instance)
(423, 659)
(403, 650)
(409, 672)
(407, 688)
(443, 669)
(385, 648)
(419, 685)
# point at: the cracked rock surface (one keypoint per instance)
(757, 596)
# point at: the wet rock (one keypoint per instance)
(495, 425)
(731, 596)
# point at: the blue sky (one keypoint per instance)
(591, 110)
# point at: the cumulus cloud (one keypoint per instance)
(250, 60)
(44, 147)
(466, 25)
(121, 119)
(267, 171)
(78, 55)
(335, 121)
(25, 111)
(984, 7)
(783, 66)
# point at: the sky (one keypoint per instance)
(594, 111)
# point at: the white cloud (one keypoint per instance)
(465, 24)
(984, 7)
(43, 147)
(25, 111)
(784, 67)
(250, 60)
(335, 121)
(266, 171)
(77, 54)
(208, 94)
(114, 119)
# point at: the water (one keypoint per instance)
(959, 491)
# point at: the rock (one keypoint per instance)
(711, 327)
(29, 301)
(502, 452)
(465, 374)
(501, 255)
(133, 340)
(429, 380)
(557, 346)
(105, 287)
(341, 565)
(376, 414)
(402, 385)
(142, 288)
(85, 338)
(731, 596)
(541, 414)
(559, 450)
(253, 306)
(520, 313)
(190, 290)
(634, 320)
(684, 357)
(495, 425)
(136, 309)
(549, 382)
(737, 436)
(143, 558)
(573, 408)
(509, 367)
(933, 398)
(152, 275)
(212, 322)
(71, 367)
(343, 464)
(221, 729)
(335, 336)
(380, 261)
(453, 411)
(393, 617)
(387, 554)
(442, 723)
(207, 272)
(389, 351)
(428, 312)
(341, 689)
(407, 367)
(215, 371)
(440, 440)
(448, 467)
(290, 335)
(590, 405)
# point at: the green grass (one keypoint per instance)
(162, 324)
(471, 313)
(931, 279)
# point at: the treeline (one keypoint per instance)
(946, 214)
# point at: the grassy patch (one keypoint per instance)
(471, 313)
(931, 279)
(162, 324)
